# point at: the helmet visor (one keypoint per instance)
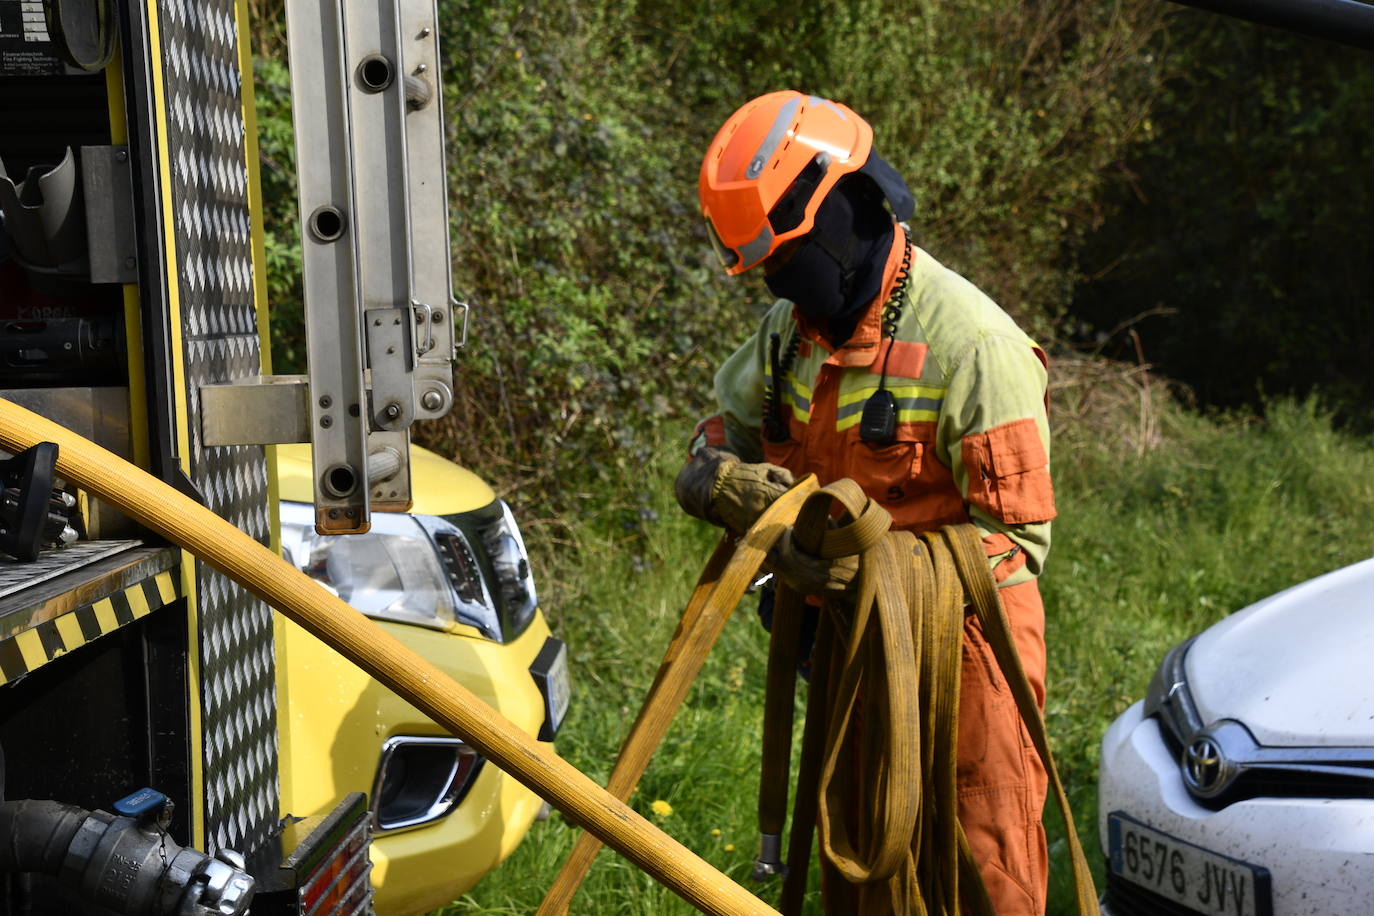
(728, 256)
(738, 260)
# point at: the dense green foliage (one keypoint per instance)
(1245, 226)
(575, 134)
(1142, 560)
(276, 144)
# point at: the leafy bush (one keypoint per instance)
(574, 137)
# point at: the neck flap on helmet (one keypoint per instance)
(837, 268)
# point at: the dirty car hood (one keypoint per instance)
(1296, 668)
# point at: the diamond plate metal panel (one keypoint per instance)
(209, 208)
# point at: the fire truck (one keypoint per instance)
(168, 743)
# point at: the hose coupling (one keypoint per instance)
(124, 862)
(769, 860)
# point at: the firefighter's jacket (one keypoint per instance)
(972, 441)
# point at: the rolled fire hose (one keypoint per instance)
(886, 788)
(916, 810)
(213, 540)
(886, 791)
(728, 574)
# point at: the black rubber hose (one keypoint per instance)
(35, 835)
(119, 863)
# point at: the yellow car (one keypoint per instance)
(451, 580)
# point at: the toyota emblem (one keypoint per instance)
(1204, 768)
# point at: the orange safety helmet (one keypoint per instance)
(770, 166)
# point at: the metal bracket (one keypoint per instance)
(262, 410)
(111, 235)
(393, 405)
(463, 333)
(423, 319)
(431, 264)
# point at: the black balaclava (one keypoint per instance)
(838, 267)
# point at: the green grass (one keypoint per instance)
(1148, 550)
(617, 607)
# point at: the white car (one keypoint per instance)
(1243, 785)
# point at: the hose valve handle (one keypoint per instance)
(769, 860)
(149, 807)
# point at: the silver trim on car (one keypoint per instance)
(445, 800)
(1221, 762)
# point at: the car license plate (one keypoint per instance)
(560, 686)
(1199, 879)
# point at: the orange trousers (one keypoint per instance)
(1001, 782)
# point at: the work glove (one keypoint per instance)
(809, 574)
(718, 487)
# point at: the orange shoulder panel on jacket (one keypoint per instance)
(901, 358)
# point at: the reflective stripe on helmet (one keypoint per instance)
(771, 141)
(748, 254)
(817, 100)
(752, 252)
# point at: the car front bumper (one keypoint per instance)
(1319, 852)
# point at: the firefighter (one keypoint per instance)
(880, 364)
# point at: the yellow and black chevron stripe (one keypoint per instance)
(40, 644)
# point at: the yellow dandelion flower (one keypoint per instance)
(715, 831)
(729, 847)
(661, 807)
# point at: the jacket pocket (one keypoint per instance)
(886, 471)
(1009, 473)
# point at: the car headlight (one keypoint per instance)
(393, 572)
(1168, 698)
(502, 558)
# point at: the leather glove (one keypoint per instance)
(743, 491)
(716, 486)
(809, 574)
(697, 479)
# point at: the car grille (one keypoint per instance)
(1261, 771)
(1126, 899)
(1237, 766)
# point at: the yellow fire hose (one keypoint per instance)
(884, 779)
(729, 572)
(896, 651)
(232, 552)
